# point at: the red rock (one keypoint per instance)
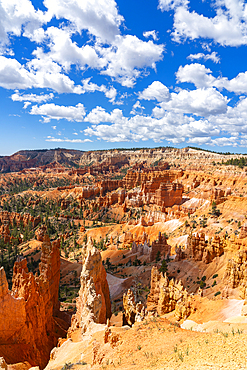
(26, 312)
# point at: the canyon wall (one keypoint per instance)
(26, 312)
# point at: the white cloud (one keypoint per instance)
(65, 52)
(221, 141)
(201, 77)
(174, 127)
(110, 93)
(99, 114)
(156, 91)
(196, 73)
(128, 56)
(228, 27)
(213, 56)
(18, 15)
(100, 18)
(124, 59)
(26, 104)
(136, 107)
(65, 140)
(171, 4)
(200, 102)
(13, 75)
(153, 34)
(34, 98)
(54, 127)
(237, 84)
(52, 111)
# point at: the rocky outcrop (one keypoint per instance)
(158, 248)
(168, 194)
(199, 248)
(93, 303)
(235, 276)
(13, 218)
(243, 231)
(236, 272)
(149, 181)
(166, 296)
(33, 158)
(133, 312)
(26, 312)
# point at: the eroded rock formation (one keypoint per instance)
(199, 248)
(133, 312)
(93, 303)
(26, 312)
(236, 272)
(166, 296)
(158, 248)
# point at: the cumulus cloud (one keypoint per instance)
(213, 56)
(34, 98)
(228, 27)
(100, 18)
(172, 126)
(153, 34)
(196, 73)
(65, 52)
(220, 141)
(14, 75)
(156, 91)
(128, 56)
(88, 86)
(200, 102)
(18, 15)
(124, 59)
(99, 114)
(137, 106)
(201, 77)
(52, 111)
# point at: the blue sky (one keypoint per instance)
(98, 74)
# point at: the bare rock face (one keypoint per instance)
(166, 296)
(26, 312)
(133, 312)
(3, 364)
(201, 249)
(17, 218)
(93, 303)
(169, 194)
(159, 247)
(236, 272)
(243, 231)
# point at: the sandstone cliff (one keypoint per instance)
(26, 312)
